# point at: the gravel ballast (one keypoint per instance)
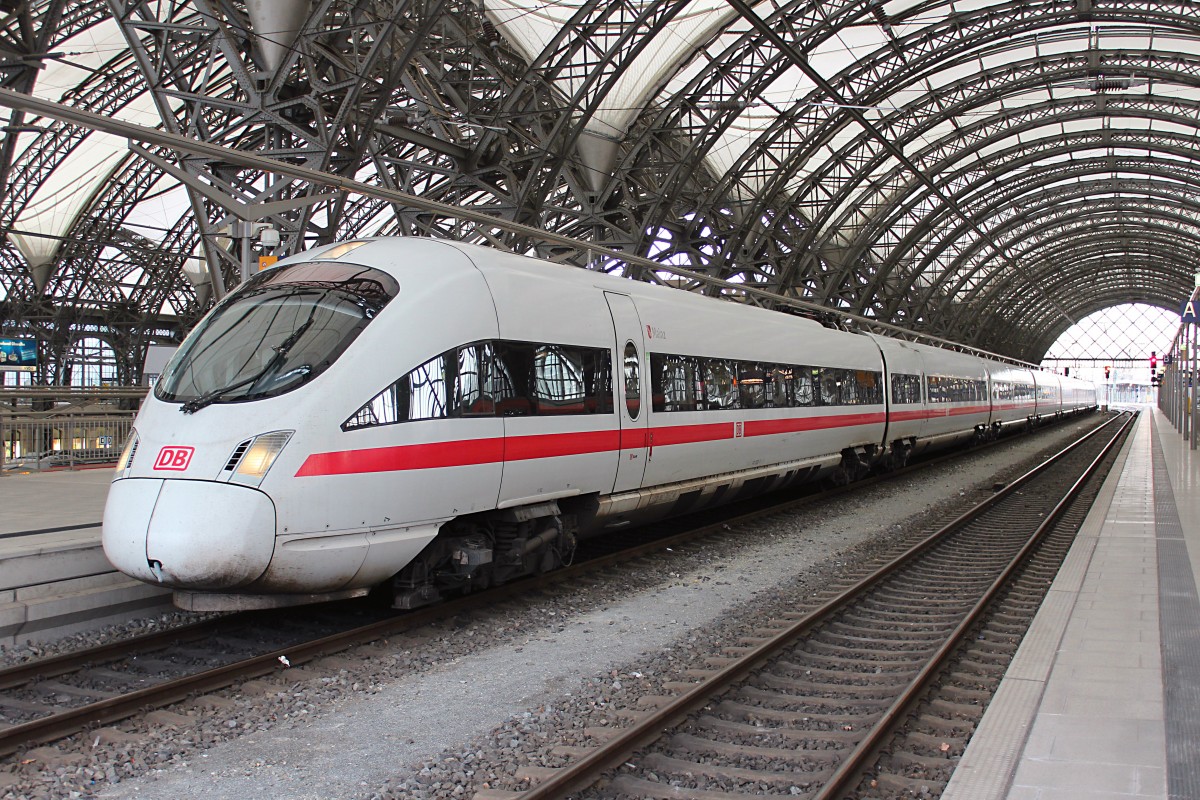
(469, 704)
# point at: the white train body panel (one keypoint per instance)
(308, 464)
(908, 415)
(1014, 395)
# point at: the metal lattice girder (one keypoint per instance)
(991, 24)
(950, 212)
(1014, 213)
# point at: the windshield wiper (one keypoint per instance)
(208, 398)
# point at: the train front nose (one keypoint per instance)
(188, 534)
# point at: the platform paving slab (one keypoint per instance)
(54, 577)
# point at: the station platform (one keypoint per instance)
(1103, 698)
(54, 578)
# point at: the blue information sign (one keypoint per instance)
(18, 355)
(1188, 312)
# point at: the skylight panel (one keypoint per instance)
(1167, 126)
(953, 74)
(1123, 39)
(163, 204)
(60, 199)
(670, 50)
(845, 48)
(84, 53)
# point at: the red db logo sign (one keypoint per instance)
(174, 458)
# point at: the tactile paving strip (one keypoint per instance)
(1179, 620)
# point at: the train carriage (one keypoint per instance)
(433, 415)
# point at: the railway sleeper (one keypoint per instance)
(833, 740)
(752, 713)
(837, 675)
(856, 661)
(952, 710)
(814, 689)
(868, 615)
(882, 600)
(80, 692)
(25, 707)
(988, 642)
(901, 641)
(963, 694)
(901, 760)
(1007, 622)
(988, 657)
(842, 631)
(698, 745)
(913, 596)
(903, 784)
(947, 727)
(934, 743)
(660, 763)
(629, 786)
(788, 702)
(901, 646)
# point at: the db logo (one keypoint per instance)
(175, 458)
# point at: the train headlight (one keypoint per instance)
(127, 454)
(258, 458)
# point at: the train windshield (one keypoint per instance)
(278, 331)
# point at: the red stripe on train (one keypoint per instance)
(522, 448)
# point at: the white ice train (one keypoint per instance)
(424, 415)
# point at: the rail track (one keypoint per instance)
(53, 698)
(829, 703)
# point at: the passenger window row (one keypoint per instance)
(1004, 390)
(496, 378)
(695, 383)
(943, 389)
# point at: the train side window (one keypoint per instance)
(674, 382)
(933, 389)
(421, 394)
(805, 386)
(906, 389)
(633, 381)
(555, 380)
(780, 387)
(720, 384)
(752, 385)
(480, 381)
(516, 359)
(831, 384)
(868, 389)
(385, 408)
(427, 397)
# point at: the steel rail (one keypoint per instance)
(63, 724)
(21, 674)
(650, 728)
(859, 759)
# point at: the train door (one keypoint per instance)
(632, 388)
